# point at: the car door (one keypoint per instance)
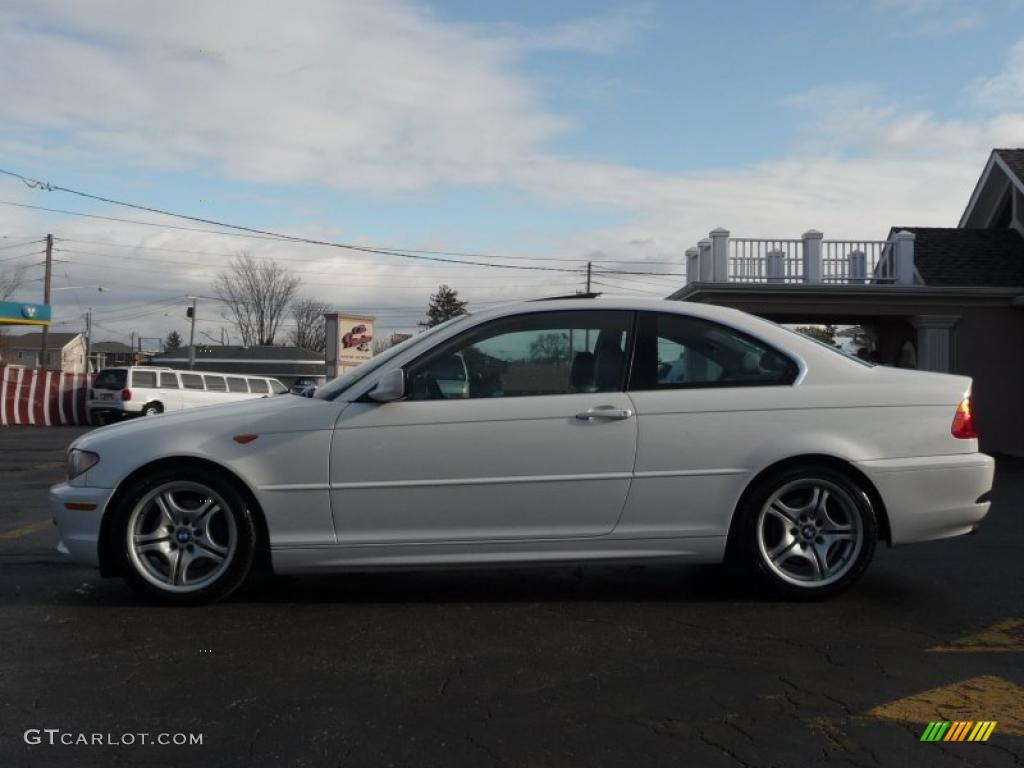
(706, 396)
(540, 443)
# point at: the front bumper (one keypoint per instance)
(933, 497)
(79, 528)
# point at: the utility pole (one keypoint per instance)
(46, 300)
(588, 277)
(191, 313)
(88, 338)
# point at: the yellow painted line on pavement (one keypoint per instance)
(981, 698)
(1006, 636)
(25, 530)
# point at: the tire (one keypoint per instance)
(185, 536)
(808, 532)
(152, 409)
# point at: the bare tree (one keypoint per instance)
(11, 281)
(257, 294)
(310, 326)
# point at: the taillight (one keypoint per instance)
(963, 421)
(126, 395)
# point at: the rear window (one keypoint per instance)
(278, 387)
(191, 381)
(236, 384)
(169, 381)
(215, 384)
(111, 378)
(259, 386)
(144, 379)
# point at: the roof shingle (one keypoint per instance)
(968, 257)
(1014, 159)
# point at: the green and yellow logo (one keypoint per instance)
(959, 730)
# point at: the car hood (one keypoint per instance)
(281, 413)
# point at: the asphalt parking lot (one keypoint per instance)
(553, 667)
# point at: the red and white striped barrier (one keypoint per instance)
(42, 398)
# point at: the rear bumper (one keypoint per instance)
(933, 497)
(79, 528)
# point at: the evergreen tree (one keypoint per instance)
(444, 305)
(172, 342)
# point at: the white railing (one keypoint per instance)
(765, 261)
(809, 259)
(857, 261)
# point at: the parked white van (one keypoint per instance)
(148, 390)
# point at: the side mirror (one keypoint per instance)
(390, 386)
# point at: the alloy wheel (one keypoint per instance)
(810, 532)
(181, 536)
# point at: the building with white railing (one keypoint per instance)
(811, 259)
(941, 299)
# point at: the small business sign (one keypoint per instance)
(17, 313)
(349, 341)
(356, 333)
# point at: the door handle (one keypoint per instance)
(605, 412)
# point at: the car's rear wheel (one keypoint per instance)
(808, 532)
(152, 409)
(187, 537)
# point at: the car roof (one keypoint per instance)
(583, 302)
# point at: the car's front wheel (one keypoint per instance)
(808, 532)
(187, 537)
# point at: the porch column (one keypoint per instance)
(812, 255)
(934, 341)
(720, 254)
(707, 268)
(903, 252)
(692, 265)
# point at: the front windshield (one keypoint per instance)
(333, 388)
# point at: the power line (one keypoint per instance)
(206, 265)
(49, 187)
(22, 256)
(19, 245)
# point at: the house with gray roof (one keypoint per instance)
(947, 299)
(64, 351)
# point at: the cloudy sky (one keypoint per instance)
(533, 133)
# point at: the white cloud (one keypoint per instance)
(935, 18)
(379, 96)
(388, 98)
(1006, 89)
(596, 34)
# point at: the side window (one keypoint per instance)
(168, 380)
(215, 384)
(278, 387)
(191, 380)
(144, 379)
(677, 351)
(542, 353)
(236, 384)
(259, 386)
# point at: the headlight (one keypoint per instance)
(79, 461)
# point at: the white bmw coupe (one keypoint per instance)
(556, 431)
